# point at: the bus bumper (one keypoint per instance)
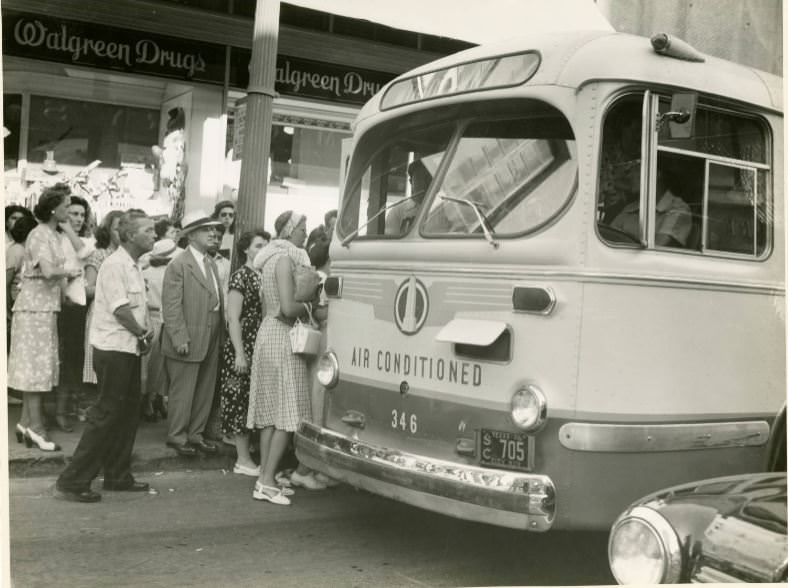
(517, 500)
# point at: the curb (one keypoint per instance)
(163, 460)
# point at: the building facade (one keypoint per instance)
(154, 90)
(749, 32)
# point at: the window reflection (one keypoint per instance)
(12, 123)
(80, 132)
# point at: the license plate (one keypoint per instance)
(505, 450)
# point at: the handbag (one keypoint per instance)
(306, 282)
(304, 339)
(75, 291)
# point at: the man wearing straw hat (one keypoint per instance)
(192, 309)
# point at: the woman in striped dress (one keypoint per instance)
(279, 394)
(107, 240)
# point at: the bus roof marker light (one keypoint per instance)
(498, 72)
(670, 46)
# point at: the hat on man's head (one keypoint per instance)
(164, 249)
(196, 219)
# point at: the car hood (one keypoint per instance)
(735, 525)
(757, 498)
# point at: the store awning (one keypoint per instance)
(474, 21)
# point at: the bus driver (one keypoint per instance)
(673, 216)
(400, 219)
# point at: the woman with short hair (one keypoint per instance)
(72, 316)
(33, 362)
(244, 315)
(224, 211)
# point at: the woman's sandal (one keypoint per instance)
(283, 479)
(272, 494)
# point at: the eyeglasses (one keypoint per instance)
(227, 214)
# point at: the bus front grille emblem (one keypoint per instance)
(411, 306)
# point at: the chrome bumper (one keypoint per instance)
(510, 499)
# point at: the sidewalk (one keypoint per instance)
(150, 452)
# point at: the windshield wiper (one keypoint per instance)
(346, 241)
(488, 230)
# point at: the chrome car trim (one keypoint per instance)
(547, 309)
(668, 540)
(662, 437)
(752, 551)
(556, 274)
(707, 575)
(515, 499)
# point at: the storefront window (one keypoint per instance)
(303, 169)
(80, 132)
(12, 125)
(66, 136)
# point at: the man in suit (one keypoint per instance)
(192, 310)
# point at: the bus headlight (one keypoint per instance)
(328, 369)
(529, 408)
(644, 549)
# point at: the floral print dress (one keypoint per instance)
(234, 388)
(33, 360)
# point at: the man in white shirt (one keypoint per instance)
(192, 309)
(119, 335)
(673, 217)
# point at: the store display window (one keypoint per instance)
(12, 126)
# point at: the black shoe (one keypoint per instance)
(150, 417)
(183, 450)
(133, 487)
(158, 407)
(63, 424)
(204, 446)
(78, 495)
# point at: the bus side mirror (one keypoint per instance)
(681, 117)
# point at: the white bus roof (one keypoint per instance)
(575, 58)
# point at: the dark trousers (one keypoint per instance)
(112, 422)
(71, 337)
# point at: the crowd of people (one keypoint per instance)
(139, 318)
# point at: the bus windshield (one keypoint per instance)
(519, 173)
(506, 175)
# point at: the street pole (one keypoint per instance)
(259, 116)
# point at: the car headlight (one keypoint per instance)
(644, 549)
(529, 408)
(328, 369)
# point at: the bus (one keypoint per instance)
(557, 281)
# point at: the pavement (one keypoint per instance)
(150, 452)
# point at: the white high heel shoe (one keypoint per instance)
(41, 442)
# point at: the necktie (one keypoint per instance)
(211, 271)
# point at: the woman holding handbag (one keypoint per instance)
(279, 395)
(78, 245)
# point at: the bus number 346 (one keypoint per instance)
(401, 420)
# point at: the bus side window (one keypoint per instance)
(721, 171)
(679, 201)
(732, 223)
(619, 178)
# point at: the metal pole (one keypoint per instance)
(259, 115)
